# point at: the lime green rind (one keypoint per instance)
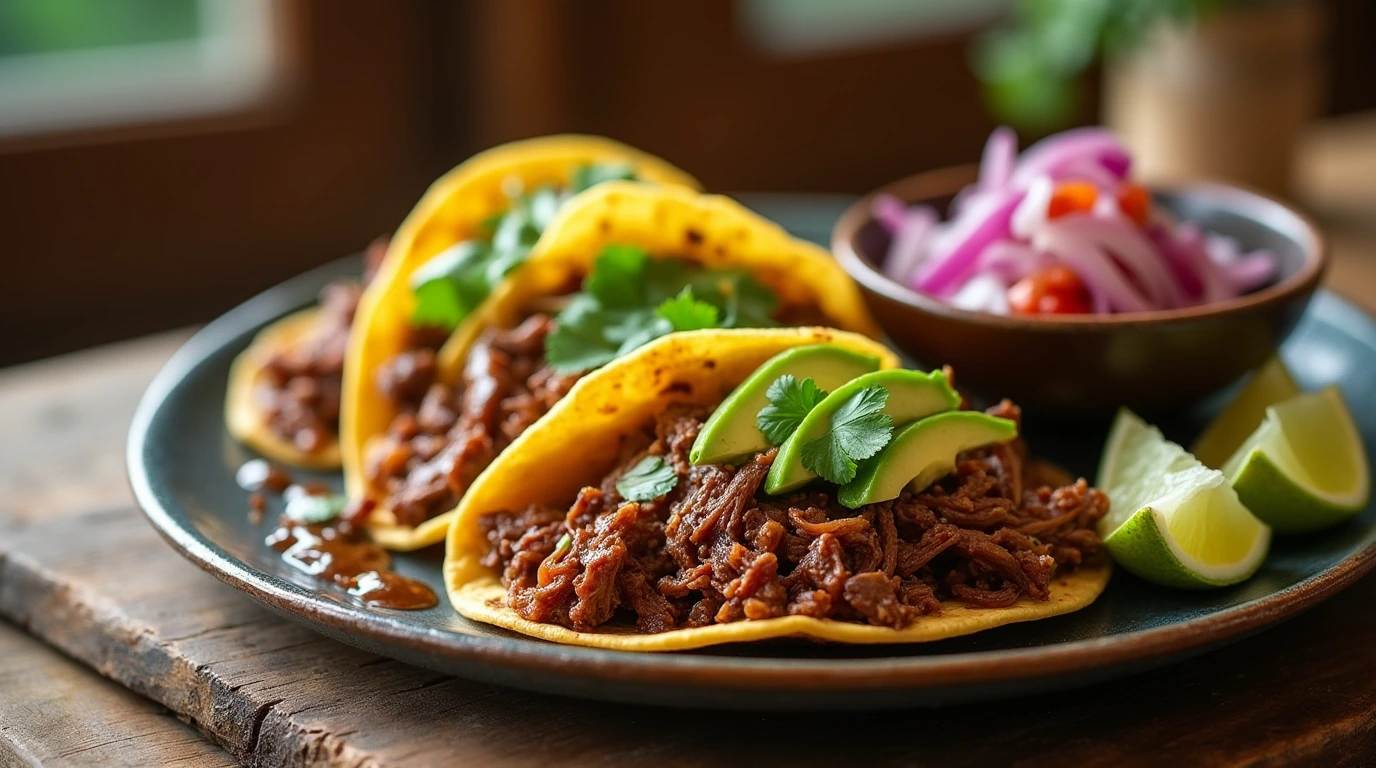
(1270, 384)
(1174, 521)
(1140, 546)
(1271, 495)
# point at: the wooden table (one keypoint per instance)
(164, 664)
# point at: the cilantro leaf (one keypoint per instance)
(592, 174)
(859, 429)
(823, 456)
(542, 205)
(860, 425)
(789, 401)
(649, 479)
(618, 276)
(630, 299)
(452, 283)
(579, 341)
(686, 313)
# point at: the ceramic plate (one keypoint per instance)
(182, 465)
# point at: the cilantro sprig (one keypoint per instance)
(630, 299)
(858, 430)
(649, 479)
(456, 280)
(789, 401)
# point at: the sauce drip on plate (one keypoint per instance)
(333, 551)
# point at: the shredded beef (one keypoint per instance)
(716, 550)
(301, 399)
(445, 434)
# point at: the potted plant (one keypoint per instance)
(1198, 88)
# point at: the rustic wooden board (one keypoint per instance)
(81, 569)
(56, 713)
(104, 589)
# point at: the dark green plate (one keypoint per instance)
(182, 464)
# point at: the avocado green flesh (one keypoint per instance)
(912, 395)
(731, 435)
(922, 453)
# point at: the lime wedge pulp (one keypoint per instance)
(1305, 467)
(1270, 384)
(1172, 520)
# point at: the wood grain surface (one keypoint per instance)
(81, 570)
(55, 713)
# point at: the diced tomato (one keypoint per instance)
(1071, 197)
(1054, 291)
(1135, 202)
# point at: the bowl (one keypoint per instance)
(1090, 365)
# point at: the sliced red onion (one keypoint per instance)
(912, 241)
(1012, 260)
(1107, 286)
(1030, 215)
(1188, 241)
(954, 251)
(1130, 248)
(888, 211)
(982, 293)
(1050, 155)
(1183, 268)
(1000, 153)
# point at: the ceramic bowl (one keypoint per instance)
(1089, 365)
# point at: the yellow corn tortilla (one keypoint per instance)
(578, 443)
(243, 415)
(453, 209)
(667, 222)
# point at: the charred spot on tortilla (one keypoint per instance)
(709, 364)
(693, 236)
(678, 386)
(605, 225)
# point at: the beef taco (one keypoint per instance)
(619, 266)
(471, 228)
(659, 505)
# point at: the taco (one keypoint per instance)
(548, 543)
(481, 218)
(620, 265)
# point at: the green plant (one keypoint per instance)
(1030, 66)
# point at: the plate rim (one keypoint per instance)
(683, 670)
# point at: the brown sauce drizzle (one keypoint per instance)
(334, 552)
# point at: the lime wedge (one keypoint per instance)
(1270, 384)
(1174, 521)
(1304, 468)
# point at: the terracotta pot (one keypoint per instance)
(1225, 99)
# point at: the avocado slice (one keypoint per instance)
(912, 395)
(730, 435)
(921, 453)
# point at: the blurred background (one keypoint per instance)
(162, 160)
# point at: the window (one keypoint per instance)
(74, 65)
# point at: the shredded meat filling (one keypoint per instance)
(445, 434)
(301, 400)
(716, 550)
